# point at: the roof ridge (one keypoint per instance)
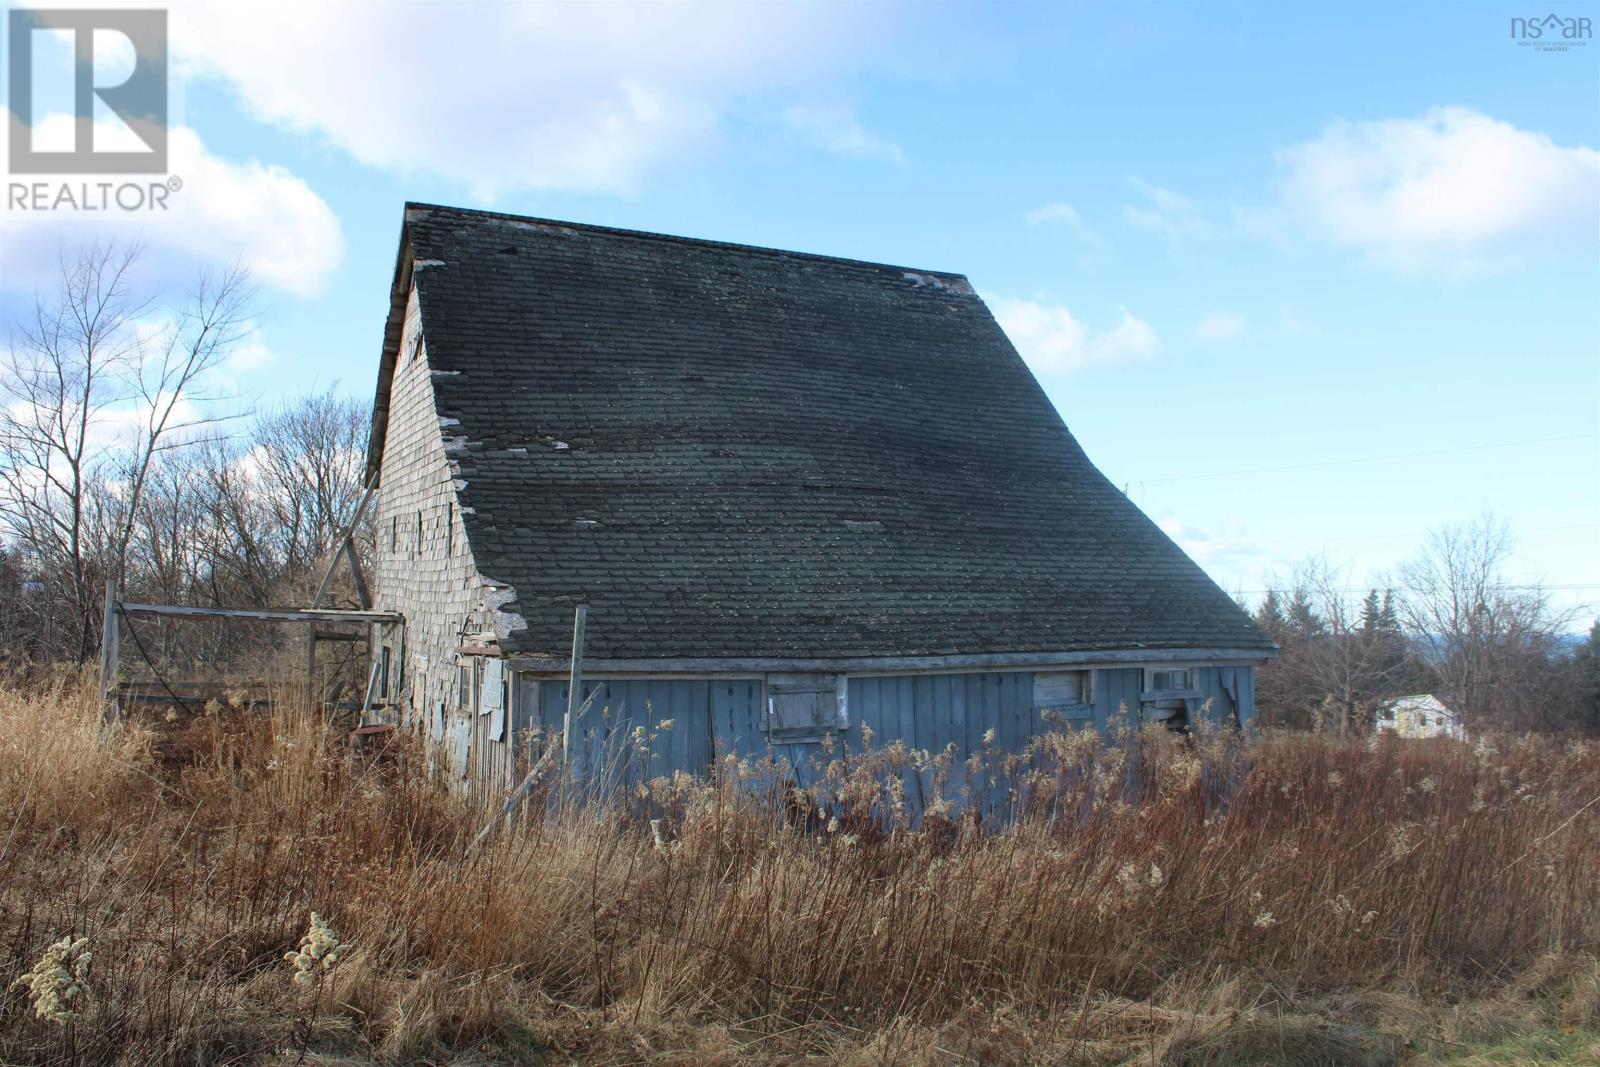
(620, 231)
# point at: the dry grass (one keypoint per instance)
(1299, 901)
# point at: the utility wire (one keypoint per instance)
(1412, 588)
(1247, 541)
(1367, 459)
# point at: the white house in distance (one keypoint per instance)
(1419, 715)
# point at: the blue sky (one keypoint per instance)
(1231, 238)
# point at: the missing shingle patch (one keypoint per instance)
(425, 264)
(537, 227)
(945, 283)
(496, 595)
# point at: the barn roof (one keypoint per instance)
(730, 451)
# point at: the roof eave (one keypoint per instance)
(1129, 657)
(394, 327)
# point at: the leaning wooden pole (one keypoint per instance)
(574, 685)
(344, 545)
(516, 796)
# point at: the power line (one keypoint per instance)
(1247, 542)
(1368, 459)
(1412, 588)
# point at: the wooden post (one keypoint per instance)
(529, 779)
(372, 685)
(343, 547)
(311, 663)
(110, 654)
(363, 597)
(574, 684)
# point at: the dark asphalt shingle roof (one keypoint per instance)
(741, 452)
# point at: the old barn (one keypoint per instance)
(797, 494)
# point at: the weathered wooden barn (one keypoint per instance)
(798, 495)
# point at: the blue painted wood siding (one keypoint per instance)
(623, 739)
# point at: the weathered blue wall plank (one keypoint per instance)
(714, 718)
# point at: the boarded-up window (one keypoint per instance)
(1063, 693)
(805, 707)
(1168, 697)
(464, 687)
(1166, 679)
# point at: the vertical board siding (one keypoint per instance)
(1116, 694)
(493, 765)
(710, 719)
(932, 713)
(713, 719)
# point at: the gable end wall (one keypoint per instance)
(429, 578)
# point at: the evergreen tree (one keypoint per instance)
(1371, 615)
(1388, 618)
(1269, 616)
(1303, 620)
(1588, 658)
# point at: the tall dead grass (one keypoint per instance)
(1293, 901)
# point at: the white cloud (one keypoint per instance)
(250, 354)
(1453, 190)
(504, 96)
(1053, 341)
(1063, 215)
(1170, 214)
(837, 130)
(1219, 326)
(1232, 558)
(251, 214)
(1059, 212)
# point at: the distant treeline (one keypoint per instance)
(1499, 653)
(123, 459)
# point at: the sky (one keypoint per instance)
(1306, 279)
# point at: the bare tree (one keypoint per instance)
(1491, 643)
(1339, 655)
(311, 460)
(252, 518)
(100, 380)
(164, 378)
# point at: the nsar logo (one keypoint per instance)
(1552, 33)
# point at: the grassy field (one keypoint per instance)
(1295, 901)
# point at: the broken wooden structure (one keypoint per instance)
(365, 626)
